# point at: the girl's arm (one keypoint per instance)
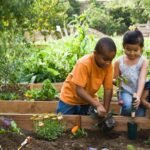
(144, 99)
(116, 71)
(142, 78)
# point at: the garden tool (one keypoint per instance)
(133, 109)
(106, 124)
(132, 125)
(26, 141)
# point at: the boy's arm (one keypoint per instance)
(107, 98)
(108, 88)
(84, 95)
(144, 99)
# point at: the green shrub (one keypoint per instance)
(48, 126)
(9, 96)
(47, 92)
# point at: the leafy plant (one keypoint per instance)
(117, 82)
(8, 125)
(48, 126)
(47, 92)
(121, 79)
(78, 132)
(130, 147)
(147, 141)
(9, 96)
(13, 50)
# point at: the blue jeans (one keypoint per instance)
(72, 109)
(127, 104)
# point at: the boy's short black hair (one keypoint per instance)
(133, 37)
(106, 43)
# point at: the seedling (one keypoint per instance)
(130, 147)
(106, 124)
(78, 132)
(117, 82)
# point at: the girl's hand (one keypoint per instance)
(114, 82)
(137, 102)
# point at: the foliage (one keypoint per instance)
(38, 67)
(13, 50)
(55, 61)
(130, 147)
(147, 141)
(9, 96)
(121, 79)
(35, 14)
(78, 132)
(15, 10)
(8, 125)
(145, 4)
(48, 126)
(46, 14)
(74, 9)
(100, 93)
(47, 92)
(116, 16)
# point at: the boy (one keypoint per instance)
(89, 73)
(145, 99)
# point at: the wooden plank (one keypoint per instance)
(28, 107)
(24, 122)
(121, 122)
(37, 107)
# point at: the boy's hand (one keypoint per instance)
(101, 110)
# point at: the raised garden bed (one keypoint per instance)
(21, 106)
(94, 139)
(21, 112)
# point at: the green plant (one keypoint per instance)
(9, 96)
(13, 51)
(130, 147)
(8, 125)
(100, 93)
(48, 126)
(78, 132)
(147, 141)
(47, 92)
(121, 79)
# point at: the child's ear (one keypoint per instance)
(123, 45)
(142, 50)
(95, 52)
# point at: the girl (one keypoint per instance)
(132, 66)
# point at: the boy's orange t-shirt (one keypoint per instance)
(87, 75)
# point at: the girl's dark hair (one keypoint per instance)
(105, 42)
(133, 37)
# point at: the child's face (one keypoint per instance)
(104, 60)
(132, 51)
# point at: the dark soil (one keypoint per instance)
(95, 139)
